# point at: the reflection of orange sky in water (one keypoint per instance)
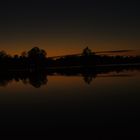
(66, 87)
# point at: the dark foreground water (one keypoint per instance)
(102, 101)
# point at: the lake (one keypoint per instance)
(109, 99)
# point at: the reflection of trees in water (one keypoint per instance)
(88, 78)
(36, 79)
(89, 75)
(39, 78)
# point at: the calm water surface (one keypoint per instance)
(107, 100)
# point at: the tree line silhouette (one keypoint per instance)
(89, 58)
(36, 59)
(34, 66)
(33, 59)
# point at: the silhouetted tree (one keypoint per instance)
(37, 53)
(86, 52)
(24, 54)
(37, 58)
(87, 57)
(2, 54)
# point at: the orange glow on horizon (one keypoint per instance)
(63, 47)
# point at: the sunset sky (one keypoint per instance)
(67, 26)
